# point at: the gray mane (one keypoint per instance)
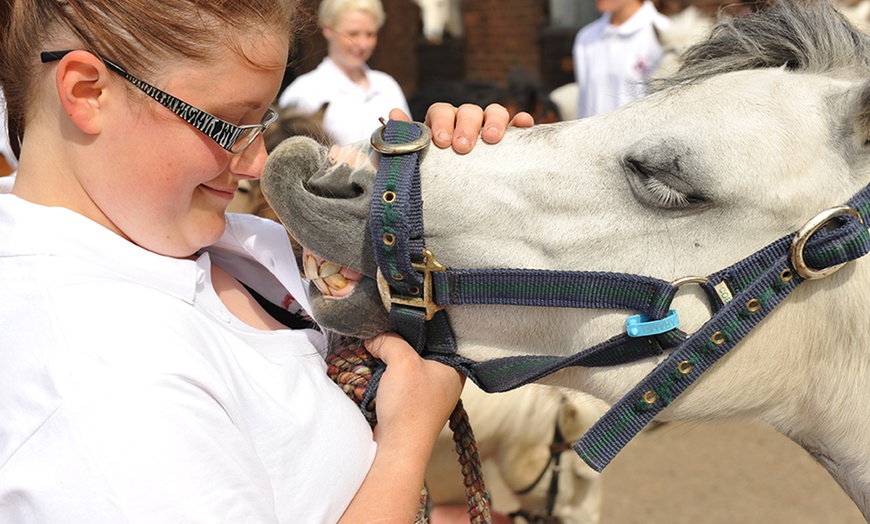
(802, 35)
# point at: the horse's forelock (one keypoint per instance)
(804, 35)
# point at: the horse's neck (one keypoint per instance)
(848, 463)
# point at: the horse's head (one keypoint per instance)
(752, 138)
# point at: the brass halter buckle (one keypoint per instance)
(427, 302)
(413, 146)
(804, 234)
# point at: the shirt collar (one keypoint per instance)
(261, 249)
(261, 246)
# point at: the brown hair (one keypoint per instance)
(139, 34)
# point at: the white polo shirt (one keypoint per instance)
(129, 393)
(612, 62)
(353, 112)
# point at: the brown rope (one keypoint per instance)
(350, 366)
(472, 473)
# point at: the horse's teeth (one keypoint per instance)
(336, 281)
(311, 267)
(328, 269)
(322, 287)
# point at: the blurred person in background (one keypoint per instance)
(357, 96)
(616, 54)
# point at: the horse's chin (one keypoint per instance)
(358, 313)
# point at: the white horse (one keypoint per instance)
(766, 124)
(440, 16)
(520, 436)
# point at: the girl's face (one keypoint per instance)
(352, 40)
(172, 183)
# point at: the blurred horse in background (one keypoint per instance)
(440, 17)
(524, 439)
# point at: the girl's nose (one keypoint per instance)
(249, 163)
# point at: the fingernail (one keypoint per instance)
(493, 129)
(444, 136)
(463, 141)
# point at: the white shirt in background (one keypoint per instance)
(353, 112)
(611, 62)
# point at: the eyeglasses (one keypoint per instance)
(233, 138)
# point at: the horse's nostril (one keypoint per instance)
(336, 182)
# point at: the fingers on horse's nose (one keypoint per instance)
(348, 155)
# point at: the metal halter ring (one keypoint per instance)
(691, 279)
(383, 147)
(807, 231)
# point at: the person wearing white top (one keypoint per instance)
(615, 54)
(357, 95)
(151, 370)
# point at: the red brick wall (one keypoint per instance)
(500, 34)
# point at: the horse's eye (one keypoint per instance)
(656, 187)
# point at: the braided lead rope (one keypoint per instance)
(469, 458)
(351, 366)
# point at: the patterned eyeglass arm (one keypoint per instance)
(222, 132)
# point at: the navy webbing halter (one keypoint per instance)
(416, 288)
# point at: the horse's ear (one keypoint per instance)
(320, 113)
(861, 113)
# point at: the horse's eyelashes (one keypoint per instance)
(650, 185)
(665, 195)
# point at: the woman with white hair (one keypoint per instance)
(357, 95)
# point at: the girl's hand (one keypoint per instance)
(415, 399)
(415, 396)
(460, 127)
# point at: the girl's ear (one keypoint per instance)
(81, 82)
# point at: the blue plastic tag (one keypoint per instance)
(642, 326)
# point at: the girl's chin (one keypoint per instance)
(205, 232)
